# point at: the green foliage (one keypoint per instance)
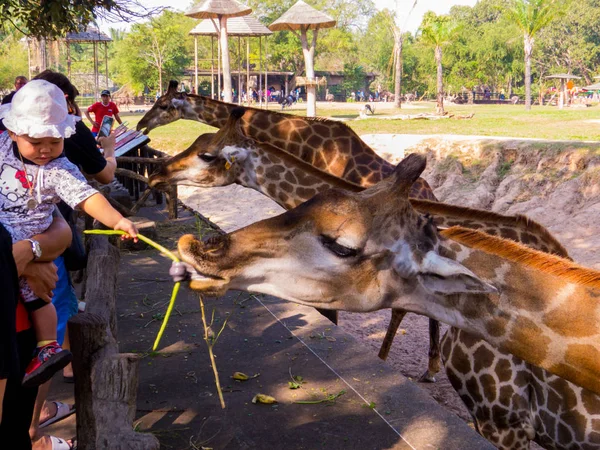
(55, 18)
(13, 59)
(354, 77)
(155, 51)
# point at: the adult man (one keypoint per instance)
(20, 81)
(101, 109)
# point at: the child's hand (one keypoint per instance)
(128, 227)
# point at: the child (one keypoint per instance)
(101, 109)
(34, 175)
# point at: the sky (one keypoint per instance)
(409, 22)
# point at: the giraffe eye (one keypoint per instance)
(207, 157)
(339, 250)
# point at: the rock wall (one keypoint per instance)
(554, 183)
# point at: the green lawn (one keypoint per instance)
(489, 120)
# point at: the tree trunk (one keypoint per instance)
(528, 47)
(398, 84)
(228, 97)
(309, 55)
(440, 82)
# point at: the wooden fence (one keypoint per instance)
(106, 381)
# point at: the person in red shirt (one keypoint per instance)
(101, 109)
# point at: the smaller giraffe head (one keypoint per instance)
(213, 159)
(340, 250)
(170, 107)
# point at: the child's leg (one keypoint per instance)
(44, 323)
(49, 356)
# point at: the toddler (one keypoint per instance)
(34, 176)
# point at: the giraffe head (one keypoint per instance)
(213, 159)
(357, 251)
(170, 107)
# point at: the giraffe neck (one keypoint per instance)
(328, 145)
(284, 178)
(544, 312)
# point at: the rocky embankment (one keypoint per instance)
(554, 183)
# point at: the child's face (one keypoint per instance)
(38, 150)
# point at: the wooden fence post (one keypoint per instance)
(105, 380)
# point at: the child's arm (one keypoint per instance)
(118, 118)
(99, 208)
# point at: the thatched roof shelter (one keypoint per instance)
(236, 26)
(88, 35)
(302, 17)
(221, 10)
(243, 26)
(213, 9)
(94, 36)
(564, 95)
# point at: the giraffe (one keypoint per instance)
(228, 156)
(325, 144)
(328, 145)
(375, 249)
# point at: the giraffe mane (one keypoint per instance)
(515, 252)
(325, 120)
(463, 212)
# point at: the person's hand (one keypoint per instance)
(22, 254)
(42, 278)
(128, 227)
(108, 144)
(96, 124)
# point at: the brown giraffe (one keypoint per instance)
(328, 145)
(377, 251)
(229, 157)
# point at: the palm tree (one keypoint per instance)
(438, 32)
(531, 16)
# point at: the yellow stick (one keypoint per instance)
(164, 251)
(210, 353)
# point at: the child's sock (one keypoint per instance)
(44, 343)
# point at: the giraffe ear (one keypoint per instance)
(233, 154)
(441, 275)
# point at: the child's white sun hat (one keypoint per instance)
(39, 110)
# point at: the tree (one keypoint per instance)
(531, 16)
(59, 17)
(155, 51)
(438, 32)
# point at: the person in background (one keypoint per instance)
(20, 81)
(100, 109)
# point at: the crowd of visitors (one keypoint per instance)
(45, 150)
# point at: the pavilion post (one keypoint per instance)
(561, 95)
(212, 67)
(240, 71)
(95, 45)
(248, 70)
(196, 64)
(266, 72)
(261, 93)
(106, 62)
